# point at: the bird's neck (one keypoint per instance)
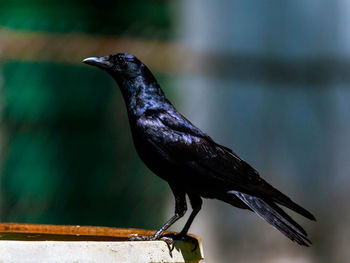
(141, 94)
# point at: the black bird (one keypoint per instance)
(188, 159)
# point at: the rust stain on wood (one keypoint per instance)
(72, 230)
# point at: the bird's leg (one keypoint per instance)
(180, 210)
(196, 203)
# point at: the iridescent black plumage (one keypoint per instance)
(187, 158)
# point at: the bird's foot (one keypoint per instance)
(178, 236)
(183, 237)
(168, 240)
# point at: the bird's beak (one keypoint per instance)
(101, 62)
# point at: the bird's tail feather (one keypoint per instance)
(275, 216)
(286, 201)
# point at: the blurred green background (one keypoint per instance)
(67, 156)
(268, 79)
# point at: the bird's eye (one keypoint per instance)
(121, 62)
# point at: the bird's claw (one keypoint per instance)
(168, 240)
(140, 238)
(178, 236)
(183, 237)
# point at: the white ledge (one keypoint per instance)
(27, 243)
(98, 251)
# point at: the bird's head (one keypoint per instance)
(133, 77)
(119, 65)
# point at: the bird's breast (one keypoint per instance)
(147, 151)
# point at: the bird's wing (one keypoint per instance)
(175, 121)
(181, 141)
